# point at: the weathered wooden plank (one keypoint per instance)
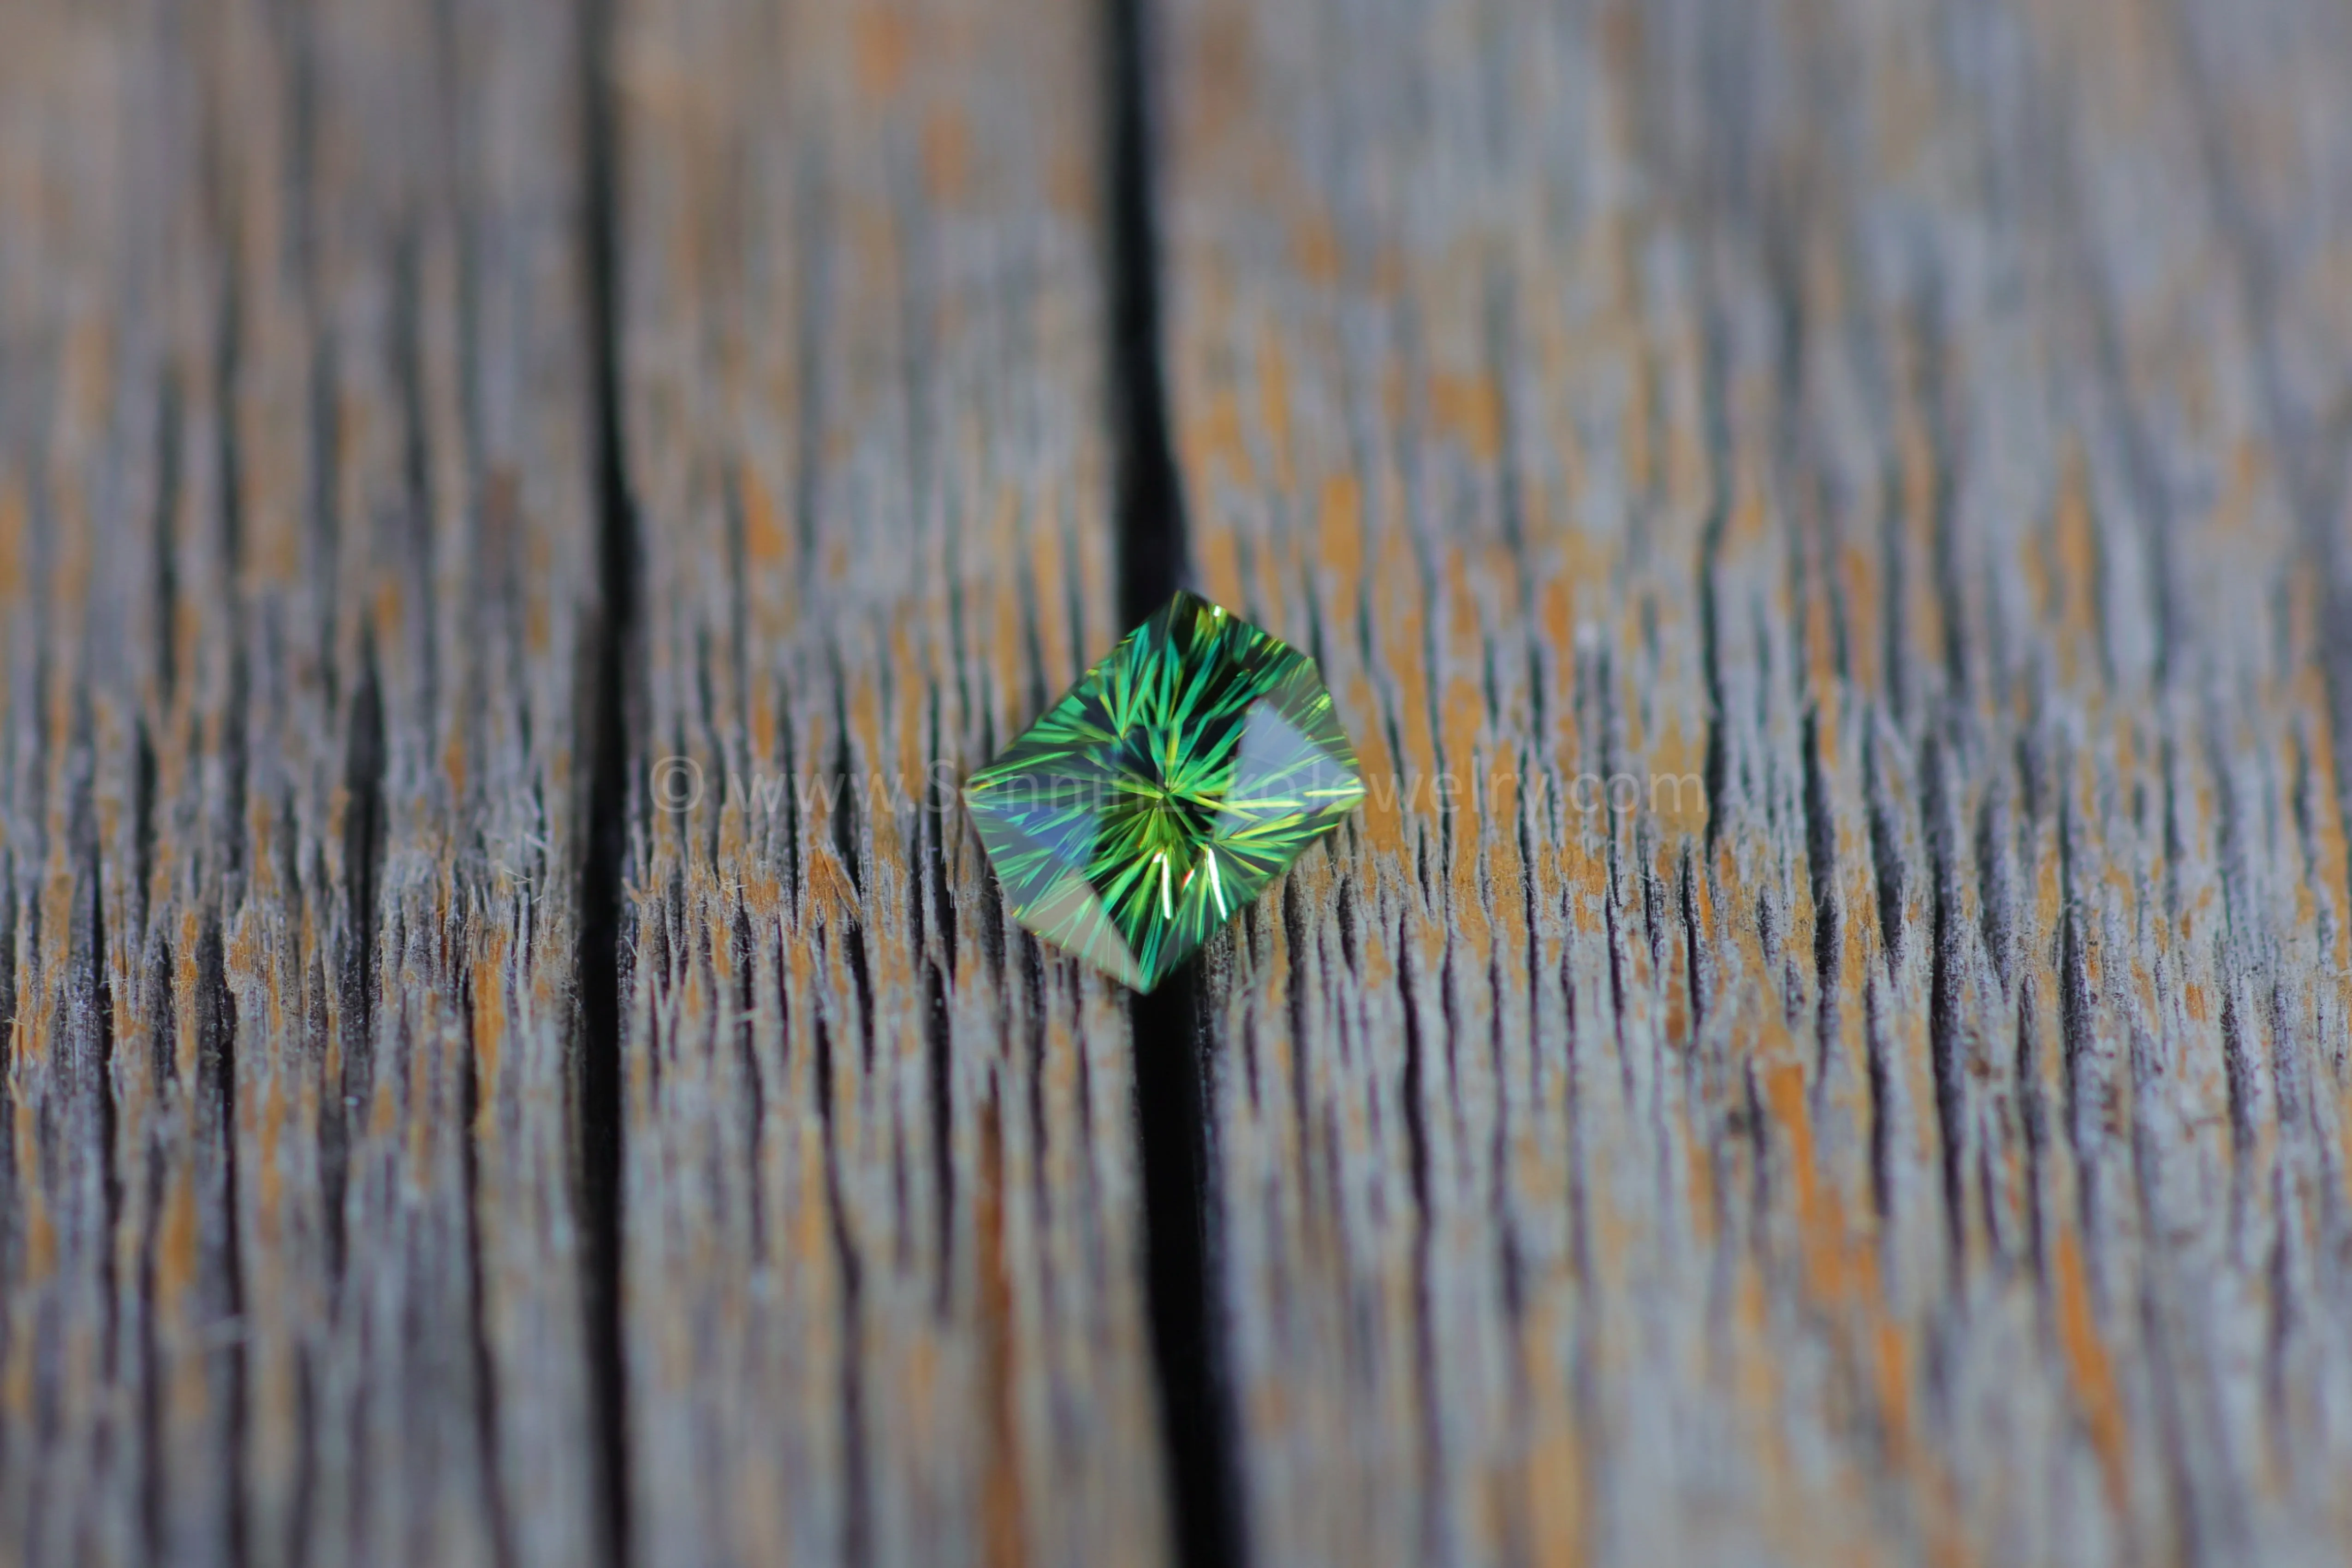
(884, 1274)
(297, 487)
(1903, 441)
(1887, 418)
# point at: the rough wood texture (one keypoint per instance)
(884, 1261)
(1830, 1041)
(1922, 425)
(294, 491)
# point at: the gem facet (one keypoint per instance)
(1165, 790)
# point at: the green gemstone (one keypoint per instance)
(1163, 792)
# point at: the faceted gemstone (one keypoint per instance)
(1164, 790)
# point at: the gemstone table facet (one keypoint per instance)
(1164, 791)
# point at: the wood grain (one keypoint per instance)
(1827, 519)
(296, 482)
(1912, 424)
(885, 1248)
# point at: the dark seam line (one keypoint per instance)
(602, 916)
(1172, 1089)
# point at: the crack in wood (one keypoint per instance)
(1175, 1079)
(602, 960)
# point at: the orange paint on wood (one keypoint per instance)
(12, 538)
(1221, 567)
(175, 1251)
(1339, 537)
(1315, 246)
(883, 44)
(947, 158)
(490, 1020)
(1636, 446)
(1274, 403)
(1214, 446)
(1820, 1222)
(1002, 1527)
(1676, 787)
(270, 1132)
(1381, 817)
(2091, 1366)
(1047, 569)
(1468, 408)
(827, 890)
(1070, 183)
(1919, 471)
(1554, 1473)
(1865, 635)
(2331, 846)
(1405, 657)
(2078, 565)
(768, 544)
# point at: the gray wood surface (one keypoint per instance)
(297, 477)
(1830, 1039)
(884, 1260)
(1923, 426)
